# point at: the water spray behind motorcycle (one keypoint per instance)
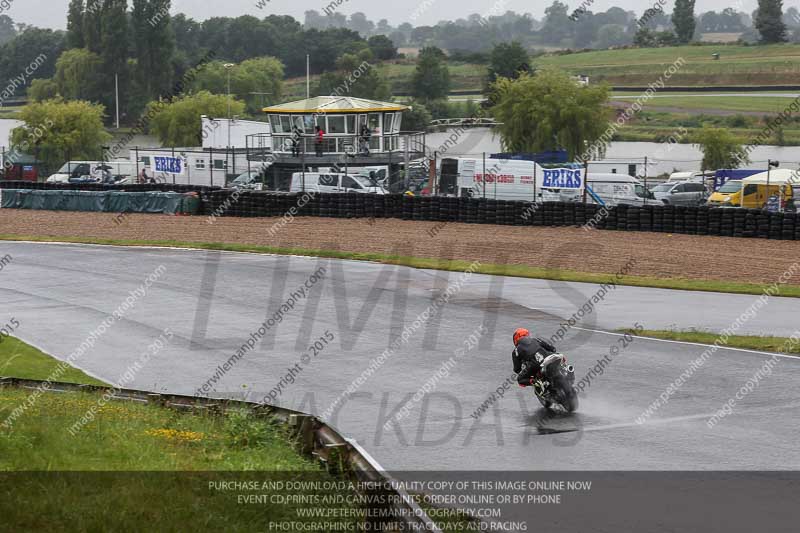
(557, 385)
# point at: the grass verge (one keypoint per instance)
(520, 271)
(148, 463)
(749, 342)
(183, 471)
(20, 360)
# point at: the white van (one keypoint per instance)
(616, 189)
(94, 169)
(508, 179)
(332, 182)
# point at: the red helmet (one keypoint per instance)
(520, 333)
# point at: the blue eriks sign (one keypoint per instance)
(562, 178)
(173, 165)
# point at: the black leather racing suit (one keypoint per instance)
(528, 356)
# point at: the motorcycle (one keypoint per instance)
(556, 386)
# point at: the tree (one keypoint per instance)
(178, 122)
(75, 37)
(417, 118)
(42, 89)
(382, 47)
(356, 76)
(557, 24)
(507, 60)
(32, 44)
(645, 38)
(114, 53)
(92, 25)
(683, 20)
(77, 74)
(360, 23)
(720, 148)
(57, 130)
(155, 46)
(7, 30)
(610, 35)
(431, 79)
(769, 21)
(257, 75)
(549, 111)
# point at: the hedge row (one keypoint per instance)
(670, 219)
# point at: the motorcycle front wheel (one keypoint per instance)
(570, 402)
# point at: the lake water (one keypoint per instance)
(6, 125)
(662, 157)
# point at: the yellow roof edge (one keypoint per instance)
(332, 111)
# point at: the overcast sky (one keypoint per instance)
(52, 13)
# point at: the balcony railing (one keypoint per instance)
(287, 144)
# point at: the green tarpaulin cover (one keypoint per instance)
(104, 201)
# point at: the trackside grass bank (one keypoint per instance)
(522, 271)
(748, 342)
(20, 360)
(148, 463)
(137, 463)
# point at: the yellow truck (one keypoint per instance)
(753, 192)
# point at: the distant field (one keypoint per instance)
(763, 104)
(738, 65)
(464, 76)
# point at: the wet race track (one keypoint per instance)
(314, 328)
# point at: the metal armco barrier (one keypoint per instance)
(312, 436)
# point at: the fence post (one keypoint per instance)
(484, 175)
(645, 180)
(585, 178)
(211, 163)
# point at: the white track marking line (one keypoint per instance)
(796, 358)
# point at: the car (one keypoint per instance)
(250, 180)
(689, 193)
(333, 183)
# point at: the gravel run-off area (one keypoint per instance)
(656, 254)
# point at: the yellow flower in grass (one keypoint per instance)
(175, 435)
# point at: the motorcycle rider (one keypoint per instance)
(527, 357)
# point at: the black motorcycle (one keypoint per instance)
(556, 386)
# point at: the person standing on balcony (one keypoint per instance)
(296, 139)
(365, 137)
(320, 138)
